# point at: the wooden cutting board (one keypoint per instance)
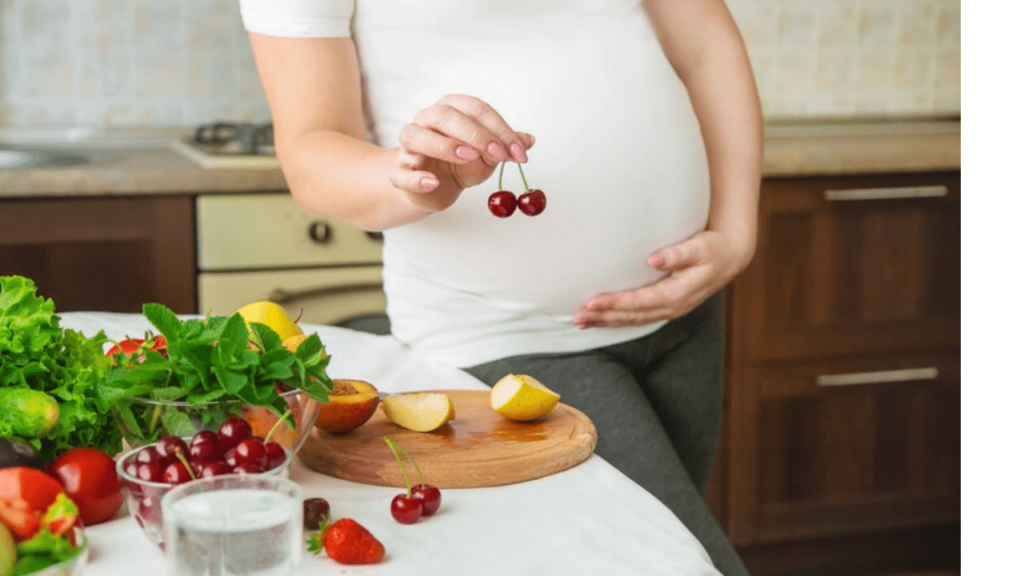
(479, 448)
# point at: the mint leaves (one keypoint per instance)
(214, 359)
(36, 353)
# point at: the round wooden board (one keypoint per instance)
(479, 448)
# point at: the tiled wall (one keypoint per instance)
(181, 62)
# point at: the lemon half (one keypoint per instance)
(522, 398)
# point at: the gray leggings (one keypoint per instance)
(657, 405)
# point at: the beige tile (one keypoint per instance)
(911, 102)
(914, 69)
(158, 75)
(876, 24)
(795, 70)
(874, 70)
(837, 23)
(834, 71)
(947, 71)
(797, 24)
(949, 25)
(917, 22)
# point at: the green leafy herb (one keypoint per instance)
(36, 353)
(215, 359)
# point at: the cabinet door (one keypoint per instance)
(849, 266)
(105, 254)
(839, 447)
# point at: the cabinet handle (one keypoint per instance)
(886, 193)
(282, 296)
(884, 376)
(320, 232)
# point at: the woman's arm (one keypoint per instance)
(313, 89)
(705, 47)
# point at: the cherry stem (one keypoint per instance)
(413, 460)
(501, 172)
(523, 174)
(177, 452)
(270, 433)
(408, 485)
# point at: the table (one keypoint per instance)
(590, 519)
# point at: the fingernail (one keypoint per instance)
(496, 151)
(595, 306)
(429, 183)
(581, 324)
(518, 153)
(656, 260)
(465, 152)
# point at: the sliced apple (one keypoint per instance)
(522, 398)
(419, 411)
(349, 405)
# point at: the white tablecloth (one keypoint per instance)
(589, 520)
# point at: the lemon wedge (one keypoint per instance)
(522, 398)
(419, 411)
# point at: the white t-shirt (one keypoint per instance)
(619, 155)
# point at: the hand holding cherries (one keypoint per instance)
(503, 203)
(417, 501)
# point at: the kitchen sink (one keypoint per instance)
(35, 158)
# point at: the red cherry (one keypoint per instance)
(502, 203)
(533, 202)
(167, 446)
(233, 431)
(405, 509)
(204, 437)
(248, 469)
(150, 472)
(230, 458)
(275, 455)
(430, 495)
(176, 473)
(251, 451)
(150, 454)
(204, 452)
(132, 469)
(216, 468)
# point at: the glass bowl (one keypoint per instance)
(154, 419)
(74, 566)
(143, 497)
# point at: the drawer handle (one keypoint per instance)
(320, 232)
(282, 296)
(375, 236)
(886, 193)
(856, 378)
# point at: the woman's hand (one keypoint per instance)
(450, 146)
(696, 268)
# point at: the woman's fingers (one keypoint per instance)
(417, 139)
(488, 117)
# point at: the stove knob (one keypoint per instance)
(320, 232)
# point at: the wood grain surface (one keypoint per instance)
(479, 448)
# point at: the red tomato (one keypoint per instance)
(90, 480)
(35, 487)
(130, 345)
(15, 514)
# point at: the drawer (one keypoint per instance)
(848, 266)
(840, 447)
(261, 231)
(320, 296)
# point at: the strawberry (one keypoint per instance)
(346, 541)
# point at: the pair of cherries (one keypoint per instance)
(417, 501)
(504, 203)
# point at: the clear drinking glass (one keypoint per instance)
(233, 525)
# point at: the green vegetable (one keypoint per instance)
(36, 354)
(213, 359)
(8, 553)
(29, 413)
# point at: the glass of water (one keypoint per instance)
(234, 525)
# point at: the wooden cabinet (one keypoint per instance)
(107, 254)
(843, 414)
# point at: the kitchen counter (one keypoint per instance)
(790, 150)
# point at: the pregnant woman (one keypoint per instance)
(639, 121)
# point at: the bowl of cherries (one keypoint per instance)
(150, 471)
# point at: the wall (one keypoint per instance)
(182, 62)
